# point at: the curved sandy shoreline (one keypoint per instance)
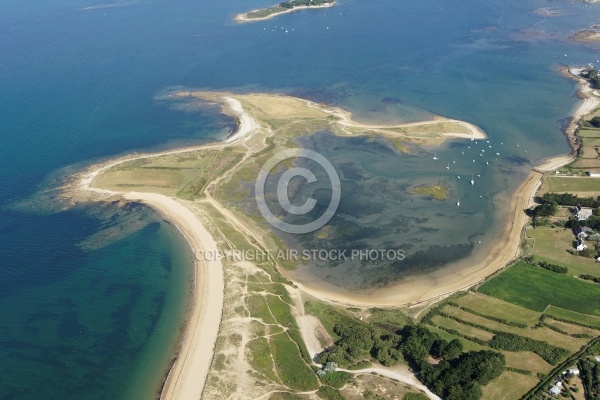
(416, 290)
(188, 374)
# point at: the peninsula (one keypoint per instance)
(196, 189)
(282, 8)
(270, 327)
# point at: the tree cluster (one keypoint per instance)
(590, 376)
(553, 267)
(589, 277)
(511, 342)
(457, 376)
(355, 342)
(462, 377)
(568, 199)
(592, 222)
(544, 210)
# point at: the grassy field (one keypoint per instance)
(572, 316)
(592, 141)
(464, 329)
(552, 245)
(467, 344)
(490, 306)
(527, 360)
(510, 385)
(543, 334)
(566, 184)
(384, 316)
(589, 132)
(536, 288)
(572, 328)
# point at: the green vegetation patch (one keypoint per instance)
(388, 317)
(336, 379)
(289, 364)
(281, 311)
(467, 330)
(329, 393)
(546, 334)
(297, 337)
(496, 309)
(287, 396)
(560, 314)
(511, 342)
(562, 184)
(260, 358)
(259, 308)
(438, 192)
(552, 245)
(415, 396)
(536, 288)
(360, 365)
(330, 316)
(510, 385)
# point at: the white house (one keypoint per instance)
(597, 358)
(594, 174)
(581, 245)
(555, 390)
(584, 213)
(573, 370)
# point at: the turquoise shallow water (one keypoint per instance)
(78, 85)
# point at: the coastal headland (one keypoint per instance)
(194, 189)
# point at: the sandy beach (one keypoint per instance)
(246, 124)
(194, 356)
(345, 119)
(188, 374)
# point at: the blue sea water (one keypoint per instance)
(78, 84)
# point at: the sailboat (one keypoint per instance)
(472, 181)
(435, 156)
(448, 167)
(454, 161)
(458, 203)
